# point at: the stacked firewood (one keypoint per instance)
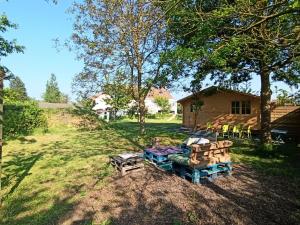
(210, 154)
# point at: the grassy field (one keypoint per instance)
(46, 175)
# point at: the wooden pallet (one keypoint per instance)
(125, 166)
(155, 158)
(159, 155)
(199, 175)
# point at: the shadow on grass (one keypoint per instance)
(282, 160)
(130, 131)
(59, 207)
(18, 168)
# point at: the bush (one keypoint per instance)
(21, 118)
(89, 120)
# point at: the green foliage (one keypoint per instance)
(132, 112)
(226, 40)
(21, 118)
(18, 87)
(10, 95)
(8, 47)
(89, 118)
(232, 40)
(163, 103)
(53, 94)
(118, 90)
(284, 98)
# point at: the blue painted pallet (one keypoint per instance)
(155, 158)
(197, 175)
(212, 172)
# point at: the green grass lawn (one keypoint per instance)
(45, 175)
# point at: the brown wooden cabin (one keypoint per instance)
(224, 106)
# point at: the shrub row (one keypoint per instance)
(21, 118)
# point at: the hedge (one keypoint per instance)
(21, 118)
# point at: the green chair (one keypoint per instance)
(237, 131)
(225, 130)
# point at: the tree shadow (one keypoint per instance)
(282, 160)
(18, 168)
(51, 215)
(130, 131)
(156, 197)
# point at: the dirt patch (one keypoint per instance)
(156, 197)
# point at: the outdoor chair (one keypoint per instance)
(225, 130)
(209, 126)
(204, 155)
(247, 132)
(237, 130)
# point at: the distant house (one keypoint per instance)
(152, 107)
(224, 106)
(102, 108)
(221, 106)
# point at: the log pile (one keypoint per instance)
(210, 154)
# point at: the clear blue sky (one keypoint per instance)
(39, 23)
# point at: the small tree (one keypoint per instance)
(52, 94)
(284, 98)
(163, 103)
(18, 87)
(196, 108)
(118, 90)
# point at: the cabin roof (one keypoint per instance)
(213, 89)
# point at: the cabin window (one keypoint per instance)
(246, 107)
(235, 107)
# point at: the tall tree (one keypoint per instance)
(122, 35)
(52, 93)
(18, 86)
(6, 48)
(236, 39)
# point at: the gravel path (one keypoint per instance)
(156, 197)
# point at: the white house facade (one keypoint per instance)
(102, 108)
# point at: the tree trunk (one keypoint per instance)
(265, 106)
(142, 116)
(2, 75)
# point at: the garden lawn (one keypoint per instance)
(63, 177)
(46, 175)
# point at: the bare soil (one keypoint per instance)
(156, 197)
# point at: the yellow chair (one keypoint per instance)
(237, 129)
(209, 126)
(225, 130)
(248, 132)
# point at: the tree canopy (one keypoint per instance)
(163, 103)
(121, 35)
(17, 85)
(119, 91)
(232, 40)
(52, 93)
